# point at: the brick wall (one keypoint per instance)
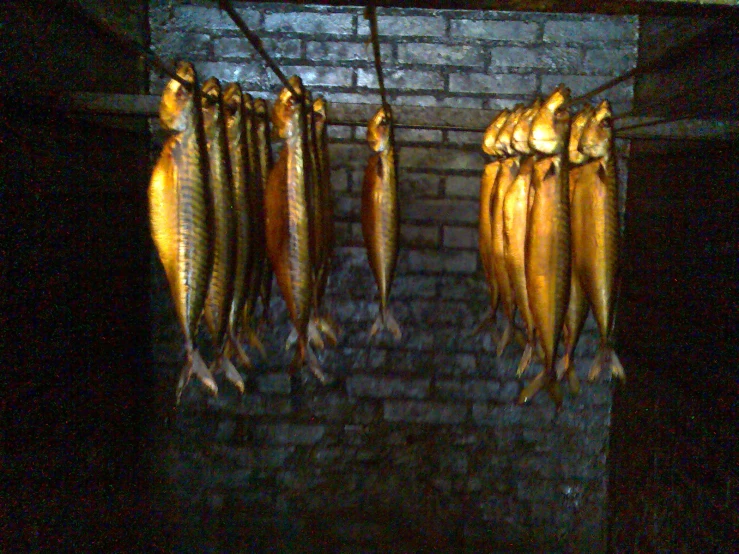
(423, 431)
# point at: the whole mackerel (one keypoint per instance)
(596, 260)
(178, 212)
(220, 288)
(380, 214)
(287, 220)
(547, 250)
(577, 309)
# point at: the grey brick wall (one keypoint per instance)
(428, 424)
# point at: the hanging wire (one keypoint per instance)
(256, 42)
(371, 15)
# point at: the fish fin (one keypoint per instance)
(201, 371)
(596, 367)
(573, 381)
(555, 393)
(530, 390)
(563, 365)
(328, 328)
(505, 339)
(292, 338)
(254, 341)
(487, 318)
(525, 360)
(314, 335)
(232, 374)
(314, 366)
(235, 346)
(520, 337)
(617, 370)
(386, 321)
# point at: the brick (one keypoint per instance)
(242, 48)
(313, 76)
(464, 137)
(420, 26)
(460, 237)
(347, 207)
(418, 100)
(310, 23)
(437, 54)
(348, 98)
(245, 73)
(452, 262)
(339, 132)
(500, 416)
(377, 387)
(339, 180)
(419, 236)
(455, 461)
(285, 433)
(468, 187)
(468, 390)
(552, 58)
(199, 18)
(441, 211)
(417, 135)
(457, 102)
(274, 383)
(601, 28)
(418, 185)
(447, 159)
(406, 79)
(338, 51)
(492, 84)
(193, 44)
(604, 61)
(424, 412)
(414, 286)
(509, 391)
(515, 31)
(352, 156)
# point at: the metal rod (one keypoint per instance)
(703, 39)
(256, 42)
(371, 15)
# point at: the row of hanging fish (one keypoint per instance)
(223, 218)
(548, 233)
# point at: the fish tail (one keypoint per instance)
(530, 390)
(327, 326)
(525, 360)
(555, 392)
(234, 347)
(606, 360)
(563, 365)
(617, 370)
(314, 335)
(573, 381)
(196, 366)
(232, 374)
(253, 339)
(385, 320)
(314, 366)
(487, 318)
(505, 339)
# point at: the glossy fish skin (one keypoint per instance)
(380, 214)
(547, 249)
(237, 148)
(287, 220)
(503, 140)
(220, 288)
(178, 211)
(491, 134)
(597, 257)
(577, 309)
(266, 162)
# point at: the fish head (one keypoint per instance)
(260, 108)
(550, 126)
(378, 129)
(597, 136)
(520, 136)
(319, 114)
(503, 141)
(491, 133)
(175, 109)
(210, 99)
(578, 125)
(232, 104)
(286, 110)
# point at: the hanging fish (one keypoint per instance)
(577, 309)
(220, 288)
(547, 249)
(380, 213)
(264, 155)
(596, 259)
(485, 241)
(287, 220)
(515, 223)
(178, 212)
(244, 246)
(507, 173)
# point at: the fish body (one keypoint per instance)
(287, 219)
(596, 260)
(380, 214)
(179, 217)
(266, 162)
(220, 289)
(547, 247)
(490, 137)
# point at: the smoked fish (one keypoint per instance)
(547, 248)
(220, 289)
(577, 309)
(287, 220)
(485, 240)
(244, 251)
(508, 170)
(179, 217)
(266, 161)
(515, 222)
(596, 254)
(380, 214)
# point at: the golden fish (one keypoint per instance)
(380, 214)
(596, 260)
(547, 249)
(577, 309)
(178, 211)
(220, 288)
(287, 220)
(487, 183)
(264, 155)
